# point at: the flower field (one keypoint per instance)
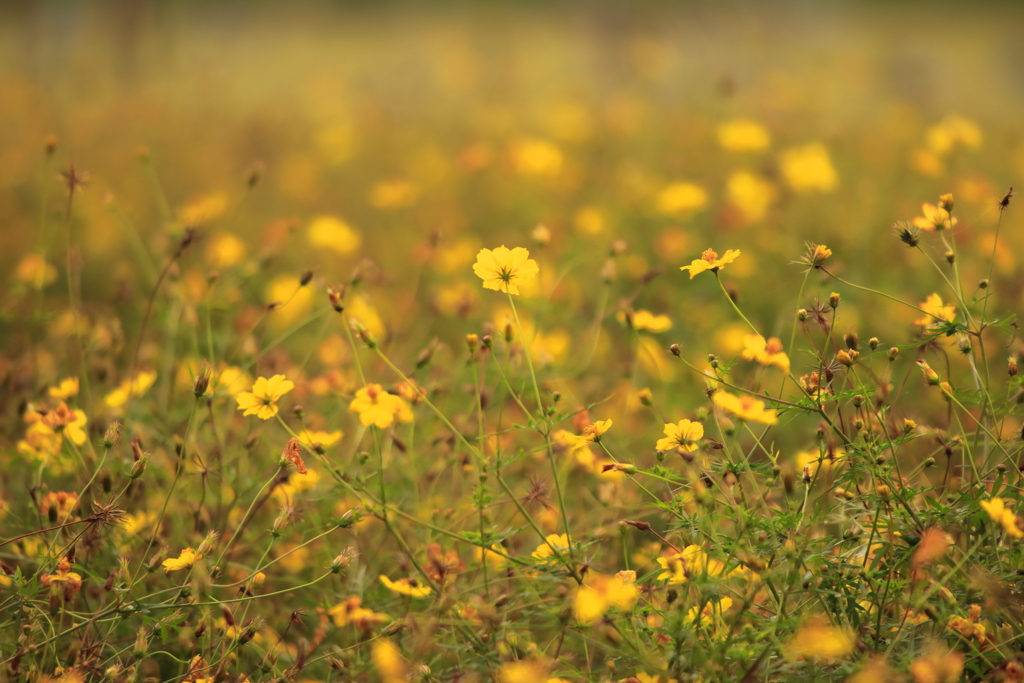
(510, 342)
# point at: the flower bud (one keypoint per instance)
(336, 296)
(472, 342)
(674, 349)
(1012, 366)
(801, 314)
(844, 358)
(852, 341)
(946, 202)
(930, 375)
(112, 435)
(893, 353)
(485, 341)
(873, 343)
(950, 257)
(983, 284)
(207, 545)
(833, 299)
(139, 466)
(202, 380)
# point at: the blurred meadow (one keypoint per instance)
(278, 405)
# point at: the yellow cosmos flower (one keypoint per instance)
(765, 351)
(808, 168)
(599, 592)
(683, 436)
(591, 434)
(544, 551)
(262, 400)
(323, 438)
(130, 387)
(352, 612)
(408, 587)
(743, 135)
(683, 566)
(66, 389)
(682, 198)
(645, 320)
(504, 269)
(746, 408)
(185, 559)
(710, 617)
(329, 232)
(999, 512)
(937, 311)
(377, 407)
(388, 662)
(934, 218)
(63, 577)
(709, 260)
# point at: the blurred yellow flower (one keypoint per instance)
(394, 194)
(589, 221)
(645, 320)
(323, 438)
(765, 351)
(750, 194)
(224, 250)
(818, 639)
(204, 209)
(408, 587)
(330, 232)
(682, 566)
(388, 661)
(808, 168)
(951, 132)
(938, 665)
(934, 218)
(743, 135)
(379, 408)
(544, 551)
(936, 310)
(999, 512)
(535, 157)
(34, 271)
(352, 612)
(262, 400)
(709, 260)
(130, 387)
(684, 436)
(599, 592)
(66, 389)
(681, 198)
(186, 558)
(504, 269)
(591, 434)
(745, 407)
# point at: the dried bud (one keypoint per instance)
(674, 349)
(139, 466)
(336, 296)
(858, 400)
(305, 277)
(202, 380)
(1005, 201)
(112, 434)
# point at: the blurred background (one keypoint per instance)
(425, 131)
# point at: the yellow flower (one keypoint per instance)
(377, 407)
(224, 250)
(33, 270)
(525, 671)
(939, 665)
(66, 389)
(743, 135)
(352, 612)
(262, 400)
(953, 131)
(746, 408)
(599, 592)
(406, 587)
(335, 234)
(765, 351)
(808, 168)
(185, 559)
(710, 617)
(323, 438)
(934, 219)
(645, 320)
(936, 310)
(591, 434)
(683, 436)
(818, 639)
(709, 261)
(394, 194)
(544, 551)
(534, 157)
(999, 512)
(681, 567)
(679, 198)
(388, 661)
(504, 269)
(130, 387)
(64, 576)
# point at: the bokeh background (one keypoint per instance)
(430, 130)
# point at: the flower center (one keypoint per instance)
(709, 255)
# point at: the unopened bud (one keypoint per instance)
(1012, 366)
(851, 340)
(983, 284)
(139, 466)
(305, 277)
(893, 353)
(950, 257)
(801, 314)
(472, 342)
(674, 349)
(833, 300)
(112, 434)
(202, 381)
(873, 343)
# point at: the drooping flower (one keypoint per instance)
(63, 577)
(746, 408)
(351, 611)
(409, 587)
(1000, 513)
(709, 260)
(765, 351)
(262, 400)
(186, 558)
(504, 269)
(684, 436)
(292, 454)
(600, 592)
(377, 407)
